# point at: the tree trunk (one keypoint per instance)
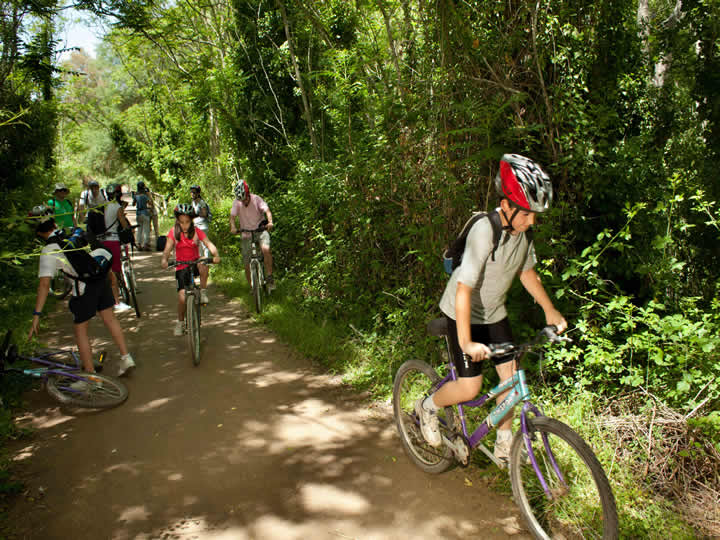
(298, 75)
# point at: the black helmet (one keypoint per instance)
(195, 188)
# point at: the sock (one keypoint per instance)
(126, 356)
(429, 405)
(503, 435)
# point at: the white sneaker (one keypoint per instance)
(178, 328)
(122, 306)
(502, 451)
(429, 425)
(203, 296)
(126, 365)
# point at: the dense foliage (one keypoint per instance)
(374, 128)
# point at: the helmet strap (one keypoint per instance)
(509, 227)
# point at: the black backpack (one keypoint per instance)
(452, 257)
(90, 266)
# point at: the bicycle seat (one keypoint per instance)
(438, 327)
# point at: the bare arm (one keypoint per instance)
(269, 217)
(212, 248)
(122, 219)
(463, 299)
(42, 294)
(167, 251)
(531, 281)
(233, 228)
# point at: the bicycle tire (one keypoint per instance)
(110, 393)
(129, 284)
(583, 506)
(123, 290)
(256, 287)
(193, 329)
(413, 380)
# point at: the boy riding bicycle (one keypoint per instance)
(248, 210)
(474, 298)
(185, 239)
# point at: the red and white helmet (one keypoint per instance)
(524, 183)
(242, 190)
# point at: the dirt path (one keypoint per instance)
(254, 443)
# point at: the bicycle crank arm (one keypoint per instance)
(460, 448)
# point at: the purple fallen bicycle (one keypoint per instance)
(62, 376)
(557, 481)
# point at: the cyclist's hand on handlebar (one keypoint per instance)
(216, 259)
(269, 226)
(554, 318)
(477, 351)
(164, 263)
(233, 230)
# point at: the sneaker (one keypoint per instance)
(429, 425)
(502, 451)
(178, 328)
(122, 306)
(126, 365)
(270, 283)
(203, 296)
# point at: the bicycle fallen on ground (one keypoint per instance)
(61, 374)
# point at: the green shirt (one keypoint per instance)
(63, 212)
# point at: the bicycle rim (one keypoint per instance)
(413, 381)
(581, 503)
(99, 391)
(193, 331)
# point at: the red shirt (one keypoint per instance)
(186, 249)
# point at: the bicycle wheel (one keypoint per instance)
(193, 329)
(60, 286)
(90, 390)
(412, 381)
(581, 504)
(256, 286)
(122, 289)
(130, 286)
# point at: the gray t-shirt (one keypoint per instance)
(490, 280)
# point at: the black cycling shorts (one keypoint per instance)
(97, 297)
(498, 332)
(184, 277)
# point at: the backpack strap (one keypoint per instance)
(497, 230)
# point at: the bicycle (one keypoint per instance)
(193, 307)
(127, 282)
(63, 378)
(257, 267)
(557, 481)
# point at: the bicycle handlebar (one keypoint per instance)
(502, 349)
(202, 260)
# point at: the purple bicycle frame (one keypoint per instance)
(519, 393)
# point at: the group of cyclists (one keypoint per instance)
(103, 213)
(473, 300)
